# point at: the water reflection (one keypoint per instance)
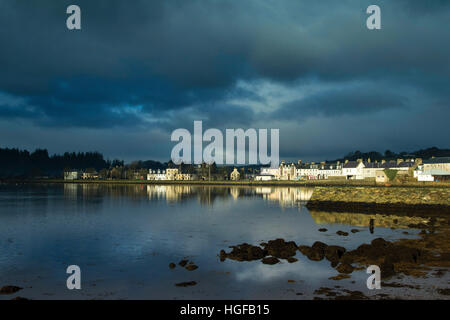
(285, 197)
(363, 219)
(124, 237)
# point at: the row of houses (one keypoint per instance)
(176, 174)
(435, 169)
(78, 174)
(427, 170)
(170, 174)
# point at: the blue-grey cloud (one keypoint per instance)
(159, 65)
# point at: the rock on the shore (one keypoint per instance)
(316, 252)
(281, 249)
(270, 260)
(182, 263)
(244, 252)
(191, 267)
(186, 284)
(383, 253)
(334, 253)
(9, 289)
(20, 299)
(345, 268)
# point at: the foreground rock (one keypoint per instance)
(20, 299)
(270, 260)
(244, 252)
(389, 256)
(281, 249)
(9, 289)
(345, 268)
(407, 256)
(186, 284)
(276, 249)
(191, 267)
(316, 252)
(183, 263)
(334, 254)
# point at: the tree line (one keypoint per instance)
(15, 163)
(390, 155)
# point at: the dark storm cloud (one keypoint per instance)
(353, 100)
(162, 64)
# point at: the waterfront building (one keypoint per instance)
(235, 175)
(381, 177)
(288, 171)
(264, 177)
(156, 175)
(353, 170)
(72, 175)
(440, 163)
(89, 175)
(171, 173)
(275, 172)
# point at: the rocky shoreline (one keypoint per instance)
(406, 257)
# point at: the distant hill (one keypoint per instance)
(389, 155)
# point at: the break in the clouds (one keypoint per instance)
(138, 70)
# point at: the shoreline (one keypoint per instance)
(277, 183)
(357, 197)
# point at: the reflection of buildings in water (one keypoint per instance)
(286, 196)
(234, 192)
(263, 190)
(363, 219)
(82, 195)
(171, 193)
(70, 191)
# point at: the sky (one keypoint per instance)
(137, 70)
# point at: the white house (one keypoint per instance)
(431, 175)
(308, 171)
(330, 170)
(288, 171)
(353, 170)
(275, 172)
(71, 175)
(235, 175)
(440, 163)
(264, 177)
(156, 175)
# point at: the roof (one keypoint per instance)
(372, 165)
(351, 164)
(406, 164)
(437, 160)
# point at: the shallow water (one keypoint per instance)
(123, 237)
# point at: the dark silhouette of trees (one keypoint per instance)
(21, 163)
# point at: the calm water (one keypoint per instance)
(124, 237)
